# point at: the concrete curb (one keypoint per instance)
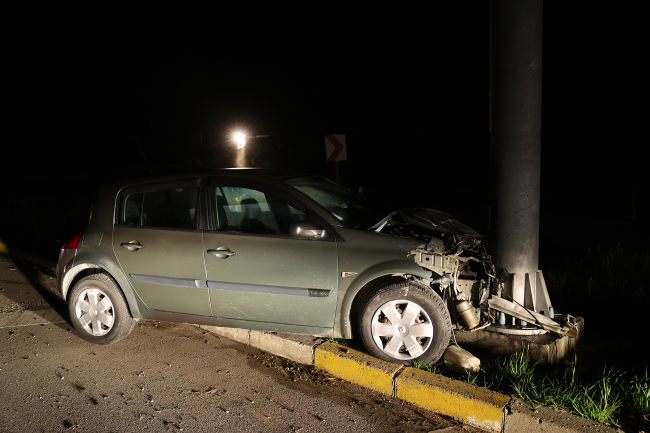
(298, 348)
(357, 367)
(467, 403)
(471, 404)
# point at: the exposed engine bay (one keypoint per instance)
(476, 296)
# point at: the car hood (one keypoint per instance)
(430, 219)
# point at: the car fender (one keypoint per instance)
(86, 259)
(349, 291)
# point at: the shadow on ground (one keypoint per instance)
(35, 273)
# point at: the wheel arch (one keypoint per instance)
(367, 283)
(83, 268)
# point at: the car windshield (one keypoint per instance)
(349, 208)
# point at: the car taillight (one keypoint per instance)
(74, 241)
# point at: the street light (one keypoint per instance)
(240, 139)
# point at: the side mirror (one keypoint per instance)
(305, 230)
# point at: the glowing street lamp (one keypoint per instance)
(239, 139)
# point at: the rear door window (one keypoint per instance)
(172, 208)
(170, 205)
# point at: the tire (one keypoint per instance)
(110, 320)
(405, 321)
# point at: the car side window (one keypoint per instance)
(170, 205)
(251, 211)
(171, 208)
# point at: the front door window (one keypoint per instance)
(247, 210)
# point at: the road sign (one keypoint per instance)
(335, 148)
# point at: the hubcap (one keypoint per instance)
(402, 329)
(94, 311)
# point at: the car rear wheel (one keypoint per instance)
(405, 321)
(98, 310)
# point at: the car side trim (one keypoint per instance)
(187, 282)
(274, 290)
(239, 287)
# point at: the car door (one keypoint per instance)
(159, 247)
(256, 272)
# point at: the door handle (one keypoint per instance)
(131, 246)
(221, 253)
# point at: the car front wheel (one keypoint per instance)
(98, 310)
(405, 321)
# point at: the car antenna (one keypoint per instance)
(143, 157)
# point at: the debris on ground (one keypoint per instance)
(461, 361)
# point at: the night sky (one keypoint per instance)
(408, 86)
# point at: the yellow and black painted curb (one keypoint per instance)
(356, 367)
(467, 403)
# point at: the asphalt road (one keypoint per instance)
(166, 377)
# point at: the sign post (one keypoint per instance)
(336, 150)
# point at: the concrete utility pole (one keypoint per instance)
(515, 146)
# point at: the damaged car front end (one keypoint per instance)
(467, 279)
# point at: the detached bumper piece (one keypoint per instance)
(567, 325)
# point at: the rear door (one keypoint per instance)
(160, 248)
(264, 275)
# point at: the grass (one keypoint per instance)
(636, 394)
(431, 368)
(599, 401)
(341, 341)
(614, 396)
(352, 343)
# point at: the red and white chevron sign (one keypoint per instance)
(335, 149)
